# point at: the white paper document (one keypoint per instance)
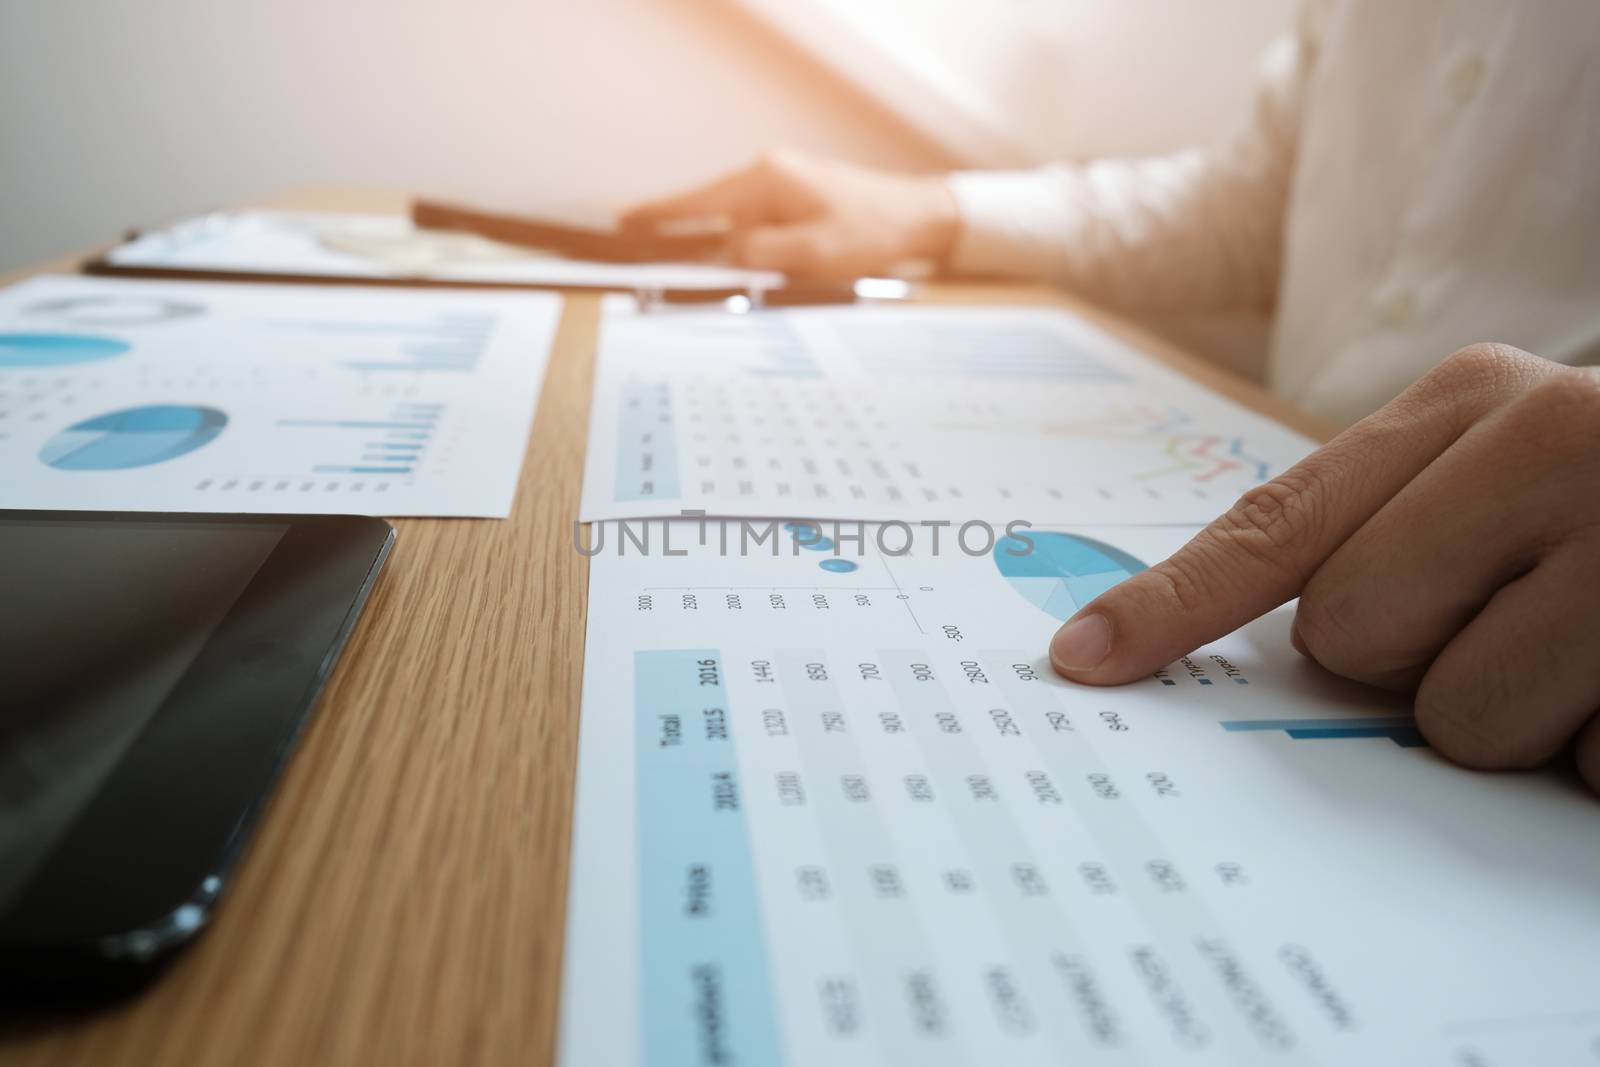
(336, 245)
(908, 413)
(168, 396)
(833, 808)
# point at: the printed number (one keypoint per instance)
(1097, 878)
(708, 672)
(1162, 784)
(812, 882)
(982, 787)
(646, 603)
(791, 792)
(952, 632)
(1044, 790)
(1232, 874)
(1103, 786)
(1030, 882)
(1166, 876)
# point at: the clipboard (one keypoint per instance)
(589, 259)
(189, 251)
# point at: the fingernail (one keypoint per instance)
(1081, 644)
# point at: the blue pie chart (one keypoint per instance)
(1060, 573)
(56, 349)
(815, 542)
(134, 437)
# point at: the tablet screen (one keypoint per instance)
(98, 622)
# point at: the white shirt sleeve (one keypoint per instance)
(1198, 230)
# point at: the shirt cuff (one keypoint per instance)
(1017, 224)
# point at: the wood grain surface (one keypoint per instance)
(404, 899)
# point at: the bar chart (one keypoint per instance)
(392, 445)
(449, 342)
(1402, 730)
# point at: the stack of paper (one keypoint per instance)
(835, 808)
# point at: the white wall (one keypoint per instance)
(114, 114)
(1141, 76)
(1023, 81)
(118, 114)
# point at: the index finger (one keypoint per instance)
(1267, 546)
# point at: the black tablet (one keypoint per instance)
(155, 670)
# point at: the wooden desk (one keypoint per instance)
(404, 901)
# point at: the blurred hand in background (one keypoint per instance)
(812, 217)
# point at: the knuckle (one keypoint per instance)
(1466, 733)
(1562, 408)
(1340, 640)
(802, 260)
(804, 254)
(824, 250)
(744, 250)
(1270, 520)
(1326, 638)
(1180, 584)
(1486, 362)
(1350, 626)
(1484, 369)
(755, 251)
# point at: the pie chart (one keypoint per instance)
(133, 437)
(56, 349)
(1059, 573)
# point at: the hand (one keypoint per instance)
(1448, 545)
(814, 217)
